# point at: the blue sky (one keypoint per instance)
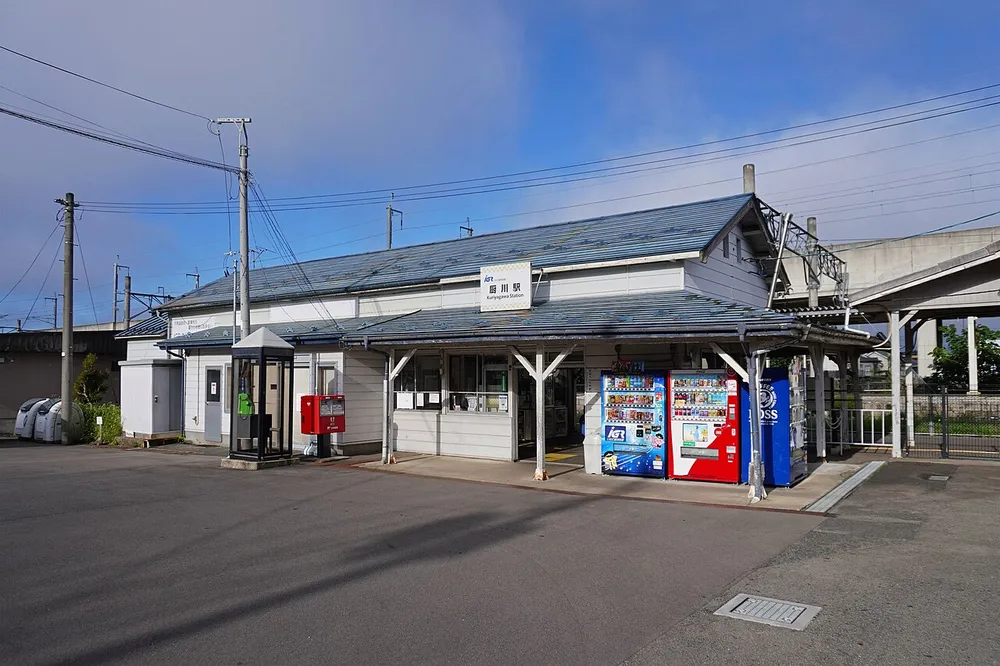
(351, 96)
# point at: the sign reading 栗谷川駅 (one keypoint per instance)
(505, 287)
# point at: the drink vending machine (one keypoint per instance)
(633, 424)
(782, 427)
(704, 426)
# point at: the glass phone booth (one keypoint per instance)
(263, 402)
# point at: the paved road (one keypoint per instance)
(908, 572)
(148, 558)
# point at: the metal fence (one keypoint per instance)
(949, 424)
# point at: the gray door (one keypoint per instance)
(213, 404)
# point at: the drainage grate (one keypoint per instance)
(774, 612)
(938, 477)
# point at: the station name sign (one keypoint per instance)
(505, 287)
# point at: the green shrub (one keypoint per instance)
(111, 429)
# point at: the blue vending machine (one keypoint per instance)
(782, 424)
(633, 424)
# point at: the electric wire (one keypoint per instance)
(103, 84)
(42, 287)
(337, 200)
(32, 264)
(149, 150)
(86, 275)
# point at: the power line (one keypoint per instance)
(209, 208)
(923, 233)
(32, 264)
(105, 85)
(86, 275)
(41, 288)
(149, 150)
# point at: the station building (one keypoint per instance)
(493, 346)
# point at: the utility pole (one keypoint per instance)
(55, 309)
(128, 301)
(389, 212)
(244, 269)
(197, 278)
(467, 228)
(118, 270)
(67, 332)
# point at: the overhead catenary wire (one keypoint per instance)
(103, 84)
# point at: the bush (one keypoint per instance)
(110, 431)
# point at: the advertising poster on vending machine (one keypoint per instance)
(633, 428)
(704, 426)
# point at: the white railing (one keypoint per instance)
(868, 427)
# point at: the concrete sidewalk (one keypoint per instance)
(573, 479)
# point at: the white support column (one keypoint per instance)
(386, 404)
(908, 372)
(970, 325)
(819, 399)
(755, 474)
(540, 473)
(897, 436)
(844, 414)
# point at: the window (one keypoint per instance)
(418, 384)
(725, 246)
(478, 383)
(739, 249)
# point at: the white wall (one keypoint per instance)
(136, 400)
(338, 308)
(727, 278)
(143, 350)
(194, 392)
(454, 433)
(362, 386)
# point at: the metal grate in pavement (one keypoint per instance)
(938, 477)
(765, 610)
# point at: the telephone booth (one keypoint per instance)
(263, 408)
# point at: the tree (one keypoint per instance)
(92, 382)
(951, 362)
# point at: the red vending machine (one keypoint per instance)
(704, 426)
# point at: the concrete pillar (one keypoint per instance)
(970, 326)
(927, 340)
(819, 399)
(894, 372)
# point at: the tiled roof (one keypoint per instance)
(658, 232)
(674, 314)
(154, 327)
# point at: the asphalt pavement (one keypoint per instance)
(907, 572)
(141, 557)
(144, 557)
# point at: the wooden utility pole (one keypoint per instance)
(67, 333)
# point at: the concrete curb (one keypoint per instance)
(825, 503)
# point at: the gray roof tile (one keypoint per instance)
(661, 231)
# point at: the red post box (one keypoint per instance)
(323, 414)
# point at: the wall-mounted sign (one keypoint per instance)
(505, 287)
(621, 367)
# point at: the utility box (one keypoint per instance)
(323, 414)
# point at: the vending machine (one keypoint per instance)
(782, 427)
(704, 426)
(633, 424)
